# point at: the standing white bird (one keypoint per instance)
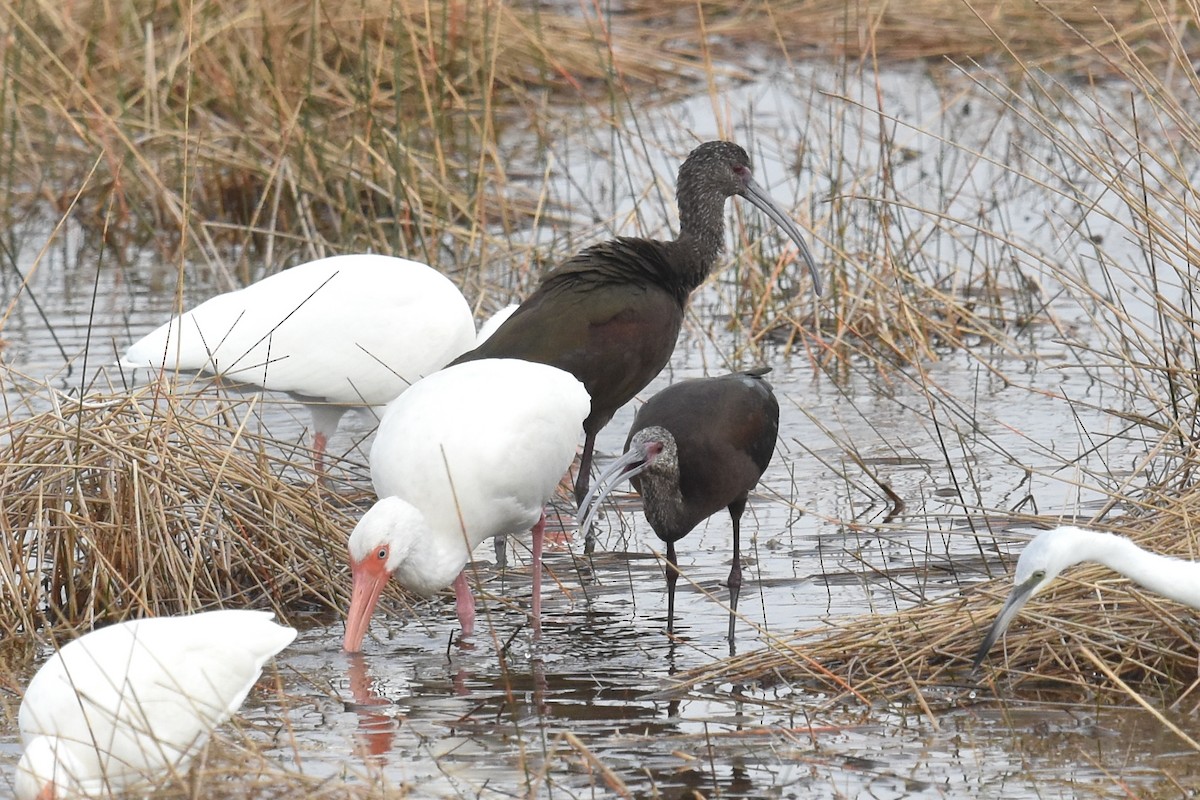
(125, 704)
(1052, 551)
(336, 333)
(470, 452)
(494, 322)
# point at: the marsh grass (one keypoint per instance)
(160, 501)
(220, 132)
(923, 654)
(218, 129)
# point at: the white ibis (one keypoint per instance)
(611, 314)
(134, 702)
(696, 447)
(1052, 551)
(470, 452)
(336, 333)
(493, 323)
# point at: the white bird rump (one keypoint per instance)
(493, 323)
(355, 330)
(127, 703)
(478, 449)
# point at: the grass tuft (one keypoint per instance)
(156, 502)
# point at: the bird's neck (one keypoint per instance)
(702, 234)
(1173, 578)
(433, 563)
(662, 501)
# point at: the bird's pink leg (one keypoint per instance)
(465, 603)
(320, 441)
(539, 532)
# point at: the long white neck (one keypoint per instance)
(1173, 578)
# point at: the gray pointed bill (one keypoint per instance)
(766, 204)
(1016, 600)
(632, 463)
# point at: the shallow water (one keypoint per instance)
(511, 717)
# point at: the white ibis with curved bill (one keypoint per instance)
(134, 702)
(470, 452)
(1052, 551)
(336, 333)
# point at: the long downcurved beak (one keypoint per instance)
(633, 462)
(755, 194)
(1019, 596)
(369, 579)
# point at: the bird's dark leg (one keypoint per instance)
(581, 484)
(735, 572)
(501, 551)
(672, 576)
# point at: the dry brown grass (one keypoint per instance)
(220, 129)
(1058, 32)
(293, 126)
(157, 502)
(923, 654)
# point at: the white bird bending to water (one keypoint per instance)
(125, 704)
(336, 333)
(471, 452)
(1050, 552)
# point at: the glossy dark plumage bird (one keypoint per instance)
(695, 448)
(611, 315)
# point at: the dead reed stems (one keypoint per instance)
(157, 502)
(923, 654)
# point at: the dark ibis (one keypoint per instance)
(611, 314)
(1052, 551)
(468, 453)
(696, 447)
(336, 333)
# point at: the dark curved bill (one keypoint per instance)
(765, 203)
(1019, 596)
(633, 462)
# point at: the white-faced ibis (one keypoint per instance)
(132, 703)
(696, 447)
(610, 316)
(336, 333)
(471, 452)
(1050, 552)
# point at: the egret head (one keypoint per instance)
(1048, 554)
(379, 545)
(651, 449)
